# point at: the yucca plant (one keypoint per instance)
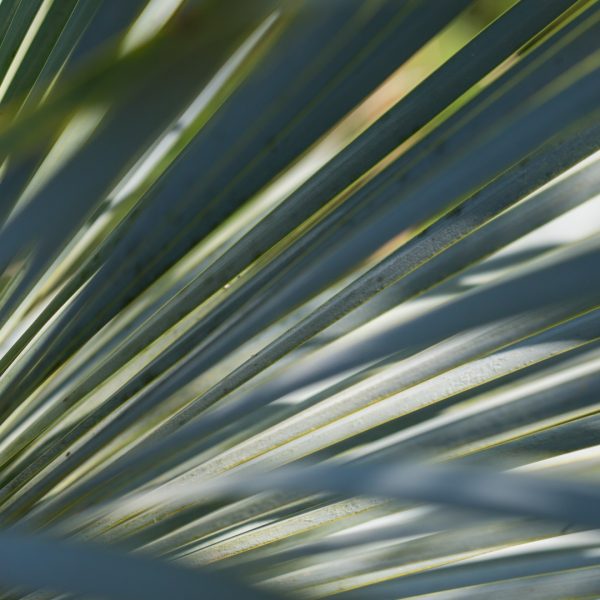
(299, 299)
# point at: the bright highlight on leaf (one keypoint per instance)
(299, 299)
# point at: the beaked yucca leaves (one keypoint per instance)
(299, 299)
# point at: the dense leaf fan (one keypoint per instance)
(299, 299)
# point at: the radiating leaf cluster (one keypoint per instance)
(299, 299)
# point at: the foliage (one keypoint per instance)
(299, 299)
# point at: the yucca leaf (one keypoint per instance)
(36, 562)
(299, 296)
